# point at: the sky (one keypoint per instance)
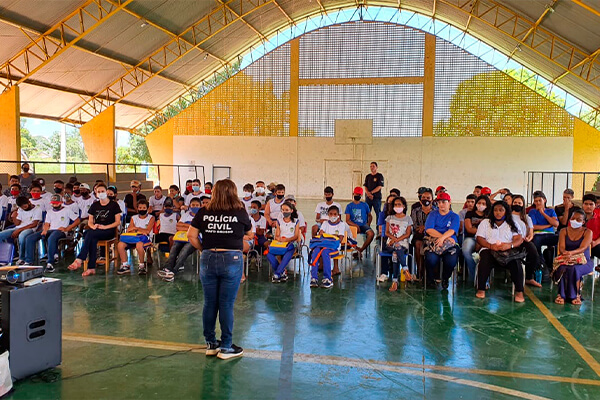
(42, 127)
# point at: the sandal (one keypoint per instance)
(559, 300)
(394, 287)
(480, 294)
(576, 301)
(89, 272)
(75, 265)
(243, 279)
(533, 282)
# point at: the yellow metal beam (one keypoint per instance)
(321, 5)
(589, 59)
(294, 85)
(260, 35)
(161, 59)
(287, 16)
(45, 48)
(549, 8)
(590, 9)
(401, 80)
(428, 85)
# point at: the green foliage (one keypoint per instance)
(42, 148)
(136, 152)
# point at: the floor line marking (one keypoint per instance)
(302, 357)
(583, 353)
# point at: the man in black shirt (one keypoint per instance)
(131, 199)
(565, 211)
(373, 185)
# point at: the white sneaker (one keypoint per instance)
(382, 278)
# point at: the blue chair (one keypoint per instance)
(7, 252)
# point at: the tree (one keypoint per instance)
(136, 152)
(75, 149)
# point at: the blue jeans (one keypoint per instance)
(32, 240)
(449, 262)
(220, 273)
(374, 204)
(401, 255)
(178, 254)
(326, 257)
(279, 267)
(5, 235)
(468, 248)
(91, 237)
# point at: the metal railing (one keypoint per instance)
(554, 183)
(156, 173)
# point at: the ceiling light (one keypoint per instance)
(143, 24)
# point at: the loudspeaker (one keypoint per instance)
(31, 322)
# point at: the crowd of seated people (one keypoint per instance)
(490, 230)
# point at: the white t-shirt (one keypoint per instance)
(301, 220)
(338, 229)
(141, 222)
(247, 203)
(121, 204)
(502, 233)
(41, 203)
(60, 219)
(74, 208)
(156, 204)
(287, 229)
(261, 223)
(84, 205)
(168, 224)
(521, 225)
(275, 209)
(186, 217)
(12, 201)
(3, 202)
(190, 196)
(47, 196)
(27, 217)
(262, 198)
(323, 209)
(398, 226)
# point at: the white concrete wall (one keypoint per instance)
(305, 165)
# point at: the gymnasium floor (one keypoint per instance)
(138, 337)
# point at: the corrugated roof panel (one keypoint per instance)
(13, 41)
(155, 93)
(38, 15)
(48, 102)
(126, 116)
(192, 65)
(175, 16)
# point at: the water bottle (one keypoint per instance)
(538, 276)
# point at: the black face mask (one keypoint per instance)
(58, 190)
(280, 196)
(85, 194)
(426, 203)
(143, 212)
(76, 191)
(517, 208)
(112, 198)
(357, 198)
(26, 169)
(328, 198)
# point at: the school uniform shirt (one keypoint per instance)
(502, 233)
(323, 209)
(74, 208)
(41, 203)
(260, 224)
(339, 228)
(539, 219)
(275, 209)
(47, 196)
(247, 203)
(157, 204)
(186, 217)
(190, 196)
(301, 220)
(3, 202)
(141, 222)
(104, 214)
(287, 229)
(60, 218)
(84, 205)
(261, 198)
(398, 227)
(168, 223)
(359, 213)
(27, 217)
(443, 223)
(12, 202)
(222, 229)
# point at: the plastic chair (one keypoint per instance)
(355, 234)
(592, 274)
(7, 252)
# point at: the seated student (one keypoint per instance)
(499, 233)
(592, 221)
(358, 215)
(174, 192)
(26, 220)
(104, 217)
(395, 191)
(468, 206)
(420, 192)
(472, 220)
(72, 206)
(247, 198)
(35, 191)
(196, 192)
(525, 225)
(486, 191)
(287, 230)
(573, 241)
(76, 191)
(273, 207)
(544, 223)
(142, 223)
(44, 194)
(259, 224)
(389, 203)
(85, 201)
(208, 186)
(205, 200)
(13, 180)
(59, 221)
(3, 199)
(113, 195)
(301, 220)
(131, 199)
(181, 250)
(272, 188)
(179, 205)
(260, 193)
(441, 227)
(333, 225)
(398, 229)
(69, 188)
(156, 202)
(500, 193)
(477, 190)
(167, 224)
(419, 217)
(322, 209)
(15, 192)
(59, 187)
(565, 211)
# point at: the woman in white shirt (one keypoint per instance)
(524, 222)
(498, 234)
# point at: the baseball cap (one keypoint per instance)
(135, 183)
(290, 197)
(358, 190)
(486, 191)
(444, 196)
(439, 188)
(55, 198)
(84, 186)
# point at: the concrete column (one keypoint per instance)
(10, 130)
(98, 137)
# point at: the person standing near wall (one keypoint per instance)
(373, 185)
(222, 224)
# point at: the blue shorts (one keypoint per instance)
(364, 228)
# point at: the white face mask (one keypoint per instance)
(102, 195)
(399, 210)
(260, 190)
(575, 224)
(481, 207)
(502, 196)
(334, 219)
(247, 194)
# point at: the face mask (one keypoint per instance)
(253, 211)
(328, 198)
(85, 195)
(36, 195)
(56, 207)
(481, 207)
(194, 209)
(399, 210)
(426, 203)
(102, 196)
(334, 219)
(357, 198)
(280, 196)
(500, 219)
(287, 214)
(189, 188)
(113, 198)
(517, 208)
(575, 224)
(142, 212)
(76, 191)
(247, 194)
(58, 190)
(168, 211)
(196, 188)
(260, 190)
(26, 169)
(15, 192)
(208, 191)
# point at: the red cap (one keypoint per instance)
(486, 191)
(358, 190)
(443, 196)
(439, 188)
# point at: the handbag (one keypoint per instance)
(575, 259)
(431, 246)
(506, 256)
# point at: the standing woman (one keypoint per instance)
(26, 178)
(222, 224)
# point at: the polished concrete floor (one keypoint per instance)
(138, 337)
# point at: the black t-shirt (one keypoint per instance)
(222, 229)
(560, 211)
(475, 220)
(372, 181)
(129, 202)
(104, 215)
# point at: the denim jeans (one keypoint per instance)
(279, 267)
(220, 273)
(90, 244)
(545, 239)
(448, 260)
(32, 240)
(374, 204)
(401, 260)
(178, 254)
(468, 248)
(5, 235)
